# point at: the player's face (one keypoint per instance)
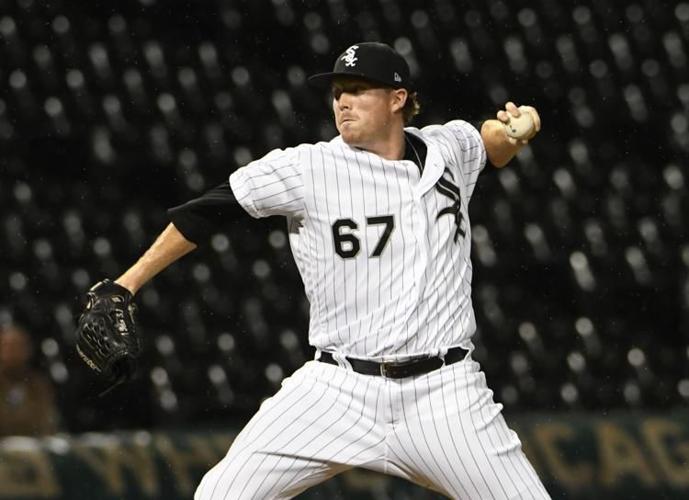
(363, 110)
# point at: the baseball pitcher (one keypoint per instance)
(379, 228)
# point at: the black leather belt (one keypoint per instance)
(400, 369)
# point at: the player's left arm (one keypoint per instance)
(501, 147)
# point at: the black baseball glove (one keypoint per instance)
(106, 335)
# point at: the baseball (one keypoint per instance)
(520, 127)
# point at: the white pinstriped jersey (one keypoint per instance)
(383, 250)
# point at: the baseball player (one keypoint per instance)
(379, 227)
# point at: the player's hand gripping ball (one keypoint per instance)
(521, 123)
(106, 335)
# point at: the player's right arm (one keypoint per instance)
(269, 186)
(170, 246)
(106, 334)
(191, 226)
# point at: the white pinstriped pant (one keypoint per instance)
(441, 430)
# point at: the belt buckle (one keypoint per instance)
(383, 372)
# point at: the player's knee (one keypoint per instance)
(233, 478)
(206, 489)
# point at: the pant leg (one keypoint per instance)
(451, 436)
(322, 421)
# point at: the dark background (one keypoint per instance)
(111, 112)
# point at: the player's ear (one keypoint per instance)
(399, 99)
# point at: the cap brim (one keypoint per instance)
(322, 79)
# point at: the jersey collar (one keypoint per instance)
(434, 166)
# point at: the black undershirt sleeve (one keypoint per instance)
(197, 219)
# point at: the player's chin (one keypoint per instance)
(349, 134)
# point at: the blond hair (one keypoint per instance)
(411, 108)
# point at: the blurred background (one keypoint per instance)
(111, 112)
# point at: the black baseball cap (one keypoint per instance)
(372, 61)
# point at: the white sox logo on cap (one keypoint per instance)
(373, 61)
(350, 57)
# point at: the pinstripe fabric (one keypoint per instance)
(383, 248)
(441, 430)
(321, 422)
(415, 297)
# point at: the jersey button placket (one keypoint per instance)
(432, 172)
(420, 225)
